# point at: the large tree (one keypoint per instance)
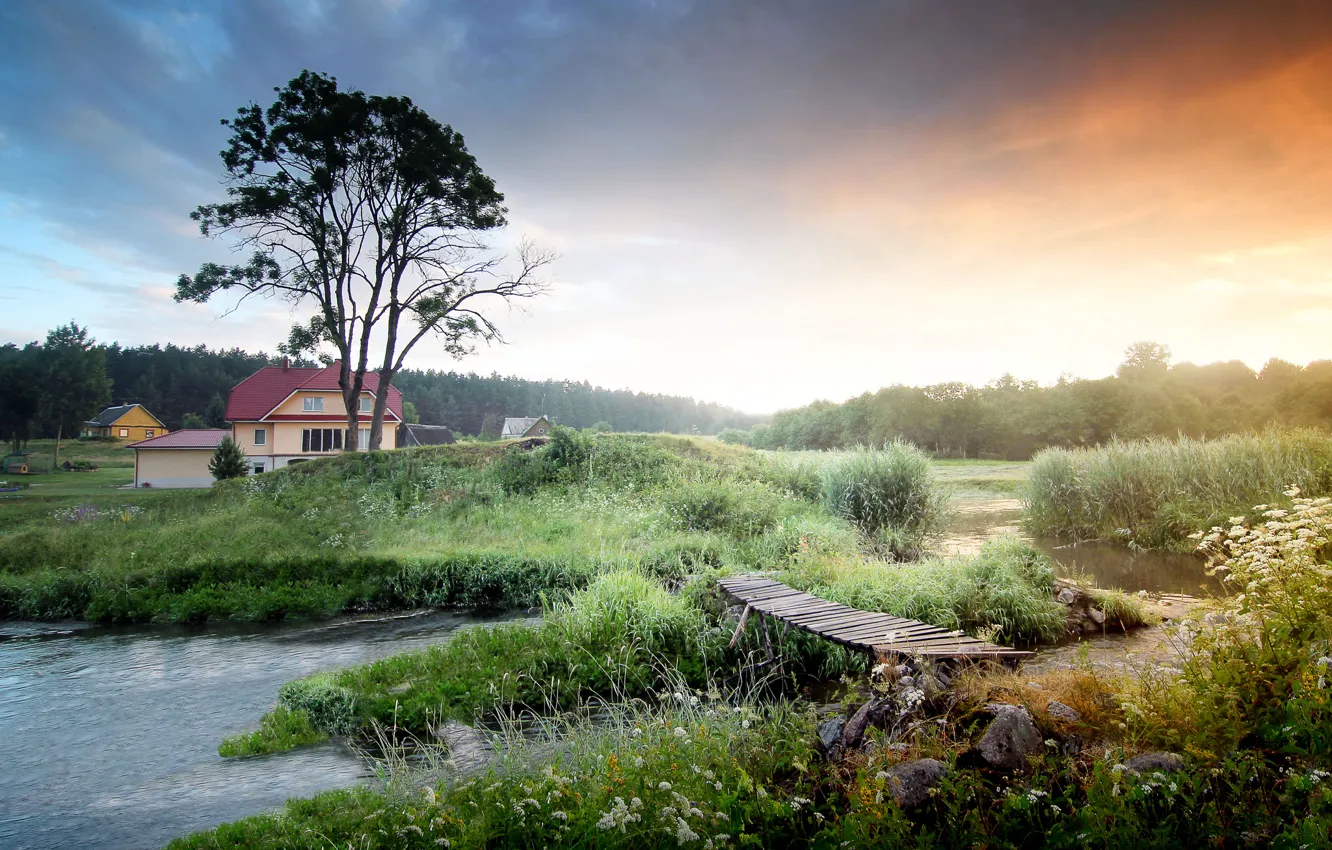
(372, 213)
(20, 393)
(74, 381)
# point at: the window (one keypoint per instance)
(367, 405)
(258, 469)
(260, 438)
(321, 440)
(149, 432)
(363, 439)
(313, 404)
(124, 432)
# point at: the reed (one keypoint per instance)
(1155, 493)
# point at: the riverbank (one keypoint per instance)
(1228, 750)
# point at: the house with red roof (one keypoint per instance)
(280, 415)
(287, 414)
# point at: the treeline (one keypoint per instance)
(1012, 419)
(476, 404)
(188, 388)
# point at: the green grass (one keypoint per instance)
(611, 641)
(279, 729)
(1155, 493)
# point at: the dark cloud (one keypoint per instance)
(678, 149)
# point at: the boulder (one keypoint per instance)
(1067, 596)
(910, 782)
(1097, 615)
(1010, 739)
(873, 713)
(1154, 763)
(830, 733)
(1059, 711)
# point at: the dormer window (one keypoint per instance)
(313, 404)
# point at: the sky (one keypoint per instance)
(753, 202)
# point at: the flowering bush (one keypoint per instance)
(1262, 666)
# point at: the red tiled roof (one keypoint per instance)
(254, 397)
(191, 438)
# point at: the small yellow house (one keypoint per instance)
(125, 422)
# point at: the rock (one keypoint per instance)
(872, 713)
(908, 681)
(910, 782)
(1097, 615)
(468, 751)
(931, 685)
(1059, 711)
(1154, 762)
(400, 689)
(1010, 739)
(902, 670)
(830, 733)
(1036, 686)
(1067, 596)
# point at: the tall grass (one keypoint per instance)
(890, 495)
(1154, 493)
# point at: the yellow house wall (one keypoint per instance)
(173, 468)
(284, 438)
(138, 423)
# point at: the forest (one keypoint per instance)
(188, 387)
(1012, 419)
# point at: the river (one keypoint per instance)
(1110, 566)
(108, 736)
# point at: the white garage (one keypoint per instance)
(178, 459)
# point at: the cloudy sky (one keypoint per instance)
(757, 202)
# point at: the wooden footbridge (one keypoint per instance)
(883, 635)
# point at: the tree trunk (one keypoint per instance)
(381, 407)
(59, 427)
(351, 383)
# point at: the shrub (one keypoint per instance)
(738, 508)
(890, 495)
(228, 461)
(735, 436)
(326, 705)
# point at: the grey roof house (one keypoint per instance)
(516, 427)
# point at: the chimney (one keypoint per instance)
(286, 364)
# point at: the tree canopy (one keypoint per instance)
(371, 213)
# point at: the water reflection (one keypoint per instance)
(1108, 565)
(108, 737)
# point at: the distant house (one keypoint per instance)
(125, 422)
(178, 459)
(424, 435)
(525, 426)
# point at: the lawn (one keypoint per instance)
(115, 469)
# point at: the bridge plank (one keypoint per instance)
(864, 630)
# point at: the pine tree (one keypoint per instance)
(228, 461)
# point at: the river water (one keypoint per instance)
(108, 737)
(1109, 566)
